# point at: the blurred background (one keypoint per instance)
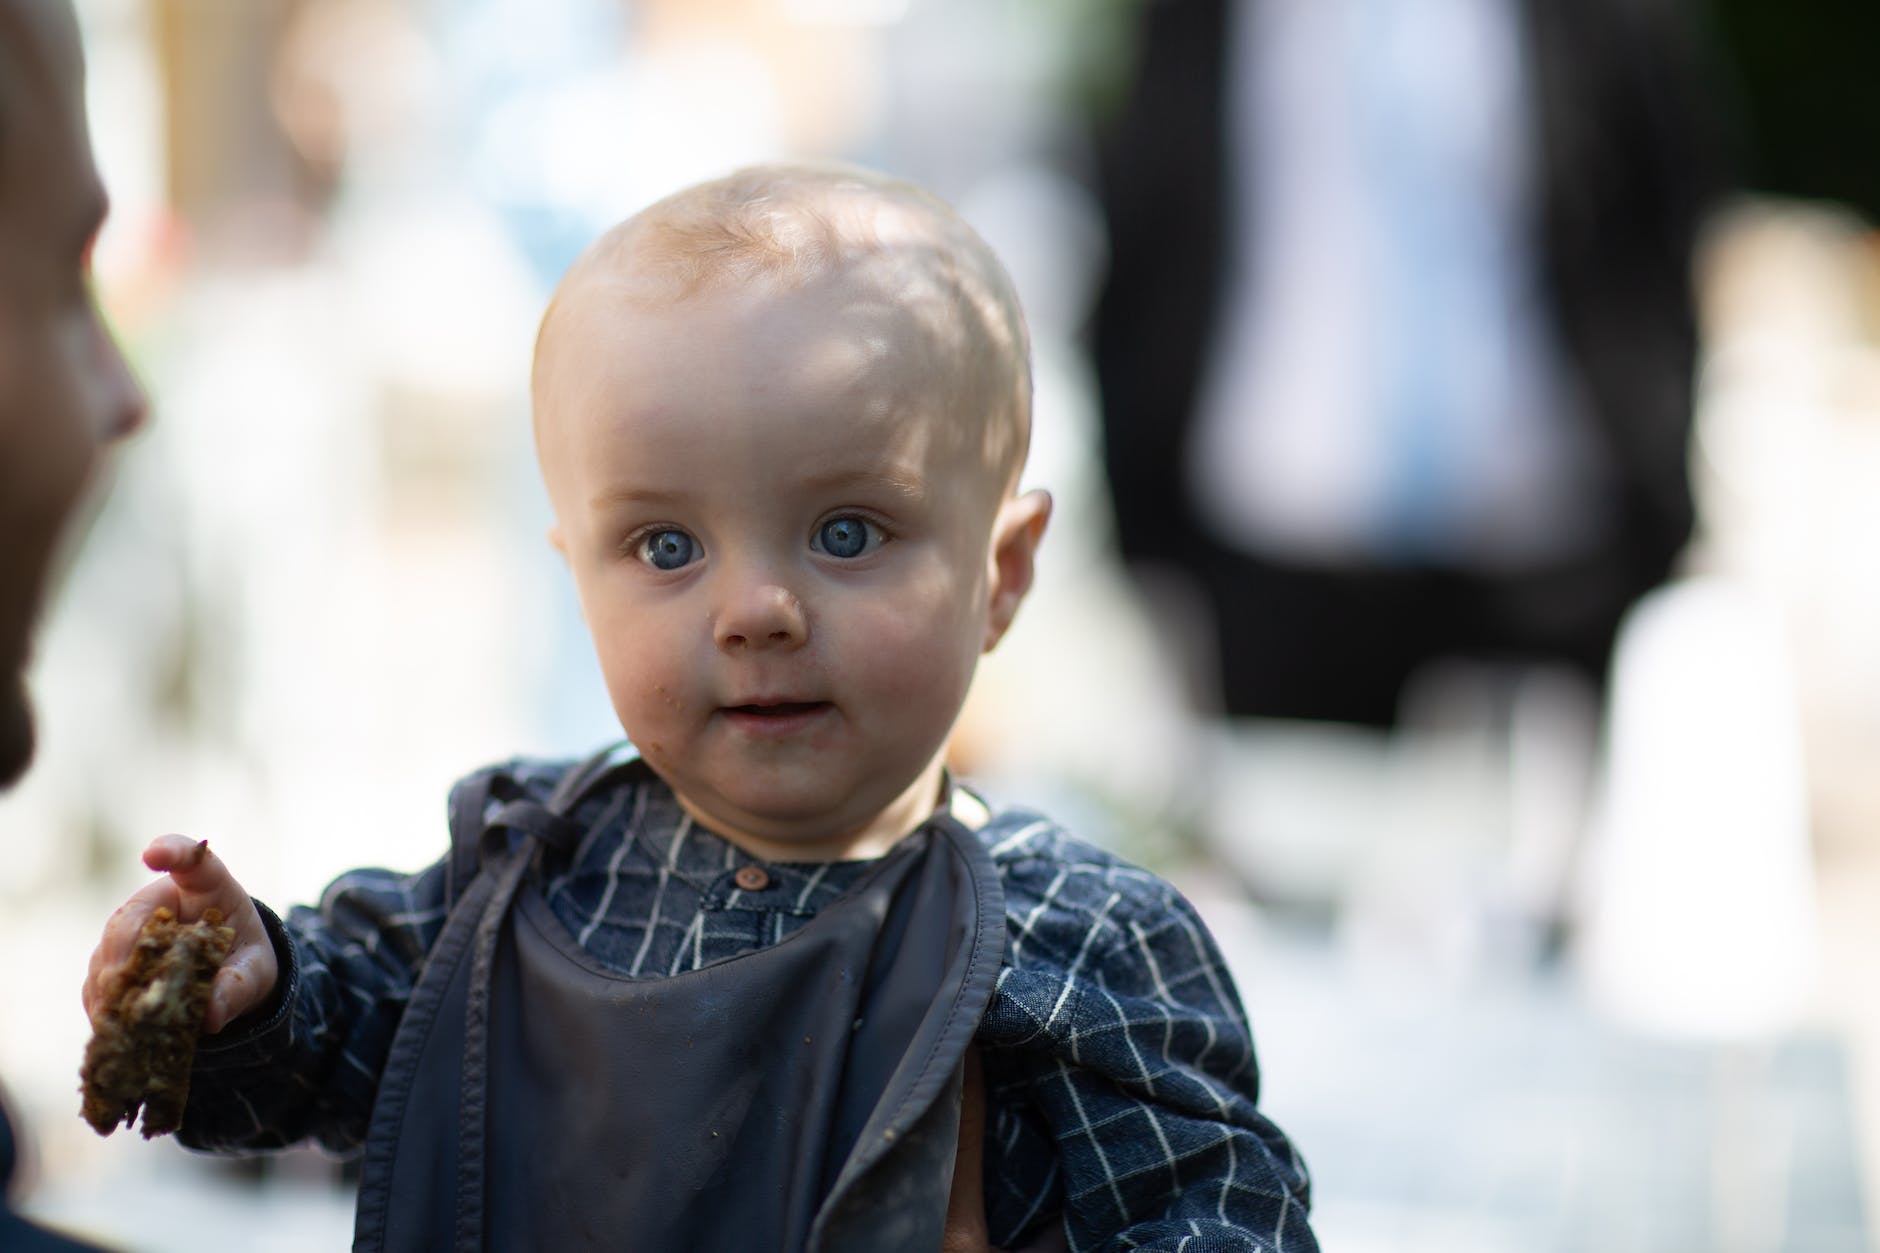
(1464, 418)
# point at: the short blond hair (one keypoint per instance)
(788, 224)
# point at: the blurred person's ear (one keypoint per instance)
(557, 541)
(1016, 533)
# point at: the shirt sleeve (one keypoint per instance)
(305, 1066)
(1121, 1077)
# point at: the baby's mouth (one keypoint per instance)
(776, 719)
(778, 709)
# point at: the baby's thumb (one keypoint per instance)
(195, 870)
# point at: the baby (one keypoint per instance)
(769, 978)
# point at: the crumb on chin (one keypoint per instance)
(145, 1030)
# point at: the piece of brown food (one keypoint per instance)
(144, 1033)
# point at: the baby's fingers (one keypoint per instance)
(121, 930)
(202, 881)
(197, 873)
(243, 983)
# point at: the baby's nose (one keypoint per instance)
(763, 615)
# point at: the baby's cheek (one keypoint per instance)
(661, 713)
(653, 753)
(920, 664)
(648, 707)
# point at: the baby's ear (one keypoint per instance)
(557, 541)
(1015, 536)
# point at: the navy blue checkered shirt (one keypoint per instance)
(1119, 1068)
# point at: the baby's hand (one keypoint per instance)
(197, 880)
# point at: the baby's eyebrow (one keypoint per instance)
(617, 496)
(894, 480)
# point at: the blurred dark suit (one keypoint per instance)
(1622, 182)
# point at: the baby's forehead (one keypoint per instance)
(894, 249)
(882, 342)
(854, 255)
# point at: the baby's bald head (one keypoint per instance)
(933, 300)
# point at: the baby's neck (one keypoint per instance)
(865, 842)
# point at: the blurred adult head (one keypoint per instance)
(65, 390)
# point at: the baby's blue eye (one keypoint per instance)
(845, 537)
(668, 550)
